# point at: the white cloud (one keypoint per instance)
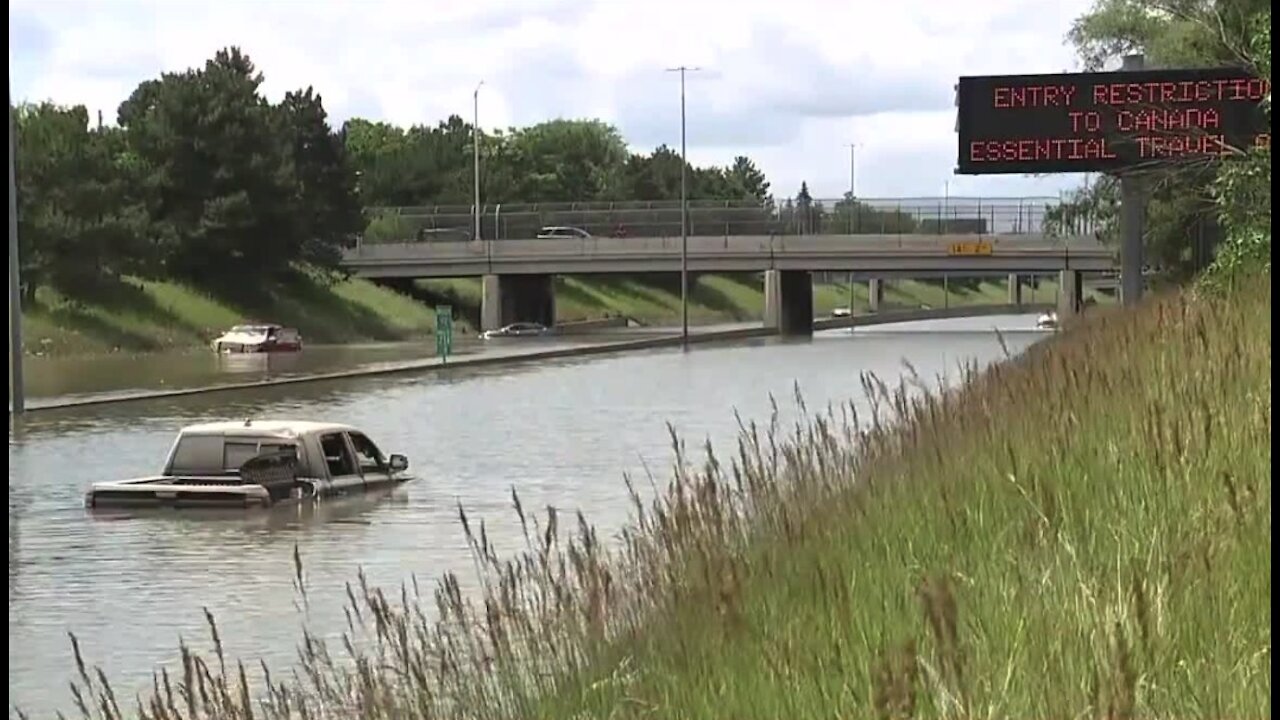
(788, 84)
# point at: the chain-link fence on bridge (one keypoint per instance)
(899, 216)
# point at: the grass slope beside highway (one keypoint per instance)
(655, 300)
(1084, 531)
(1081, 531)
(146, 316)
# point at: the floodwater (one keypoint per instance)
(54, 379)
(561, 432)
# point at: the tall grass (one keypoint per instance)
(1081, 531)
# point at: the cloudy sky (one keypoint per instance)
(789, 84)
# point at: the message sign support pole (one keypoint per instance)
(1132, 217)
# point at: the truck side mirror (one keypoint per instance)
(399, 463)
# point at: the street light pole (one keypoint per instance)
(17, 388)
(684, 214)
(475, 142)
(853, 207)
(853, 166)
(945, 223)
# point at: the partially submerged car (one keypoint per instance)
(258, 337)
(255, 464)
(519, 329)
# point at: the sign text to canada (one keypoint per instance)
(1106, 121)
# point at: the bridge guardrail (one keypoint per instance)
(718, 247)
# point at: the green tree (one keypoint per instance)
(78, 224)
(1181, 220)
(1170, 33)
(1242, 190)
(857, 217)
(746, 181)
(1091, 209)
(329, 211)
(226, 200)
(655, 176)
(420, 166)
(564, 160)
(806, 215)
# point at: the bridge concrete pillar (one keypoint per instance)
(1070, 294)
(1015, 289)
(875, 294)
(506, 299)
(788, 301)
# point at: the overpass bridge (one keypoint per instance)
(518, 272)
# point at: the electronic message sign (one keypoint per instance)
(1098, 122)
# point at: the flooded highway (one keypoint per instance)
(560, 432)
(56, 379)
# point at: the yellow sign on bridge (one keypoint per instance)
(977, 247)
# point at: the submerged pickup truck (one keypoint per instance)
(253, 464)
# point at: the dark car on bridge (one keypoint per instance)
(443, 235)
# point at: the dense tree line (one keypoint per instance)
(203, 179)
(1185, 224)
(554, 161)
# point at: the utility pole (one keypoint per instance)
(17, 387)
(475, 142)
(853, 207)
(684, 214)
(945, 224)
(1132, 212)
(853, 170)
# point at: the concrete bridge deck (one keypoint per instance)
(896, 254)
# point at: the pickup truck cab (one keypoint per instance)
(258, 464)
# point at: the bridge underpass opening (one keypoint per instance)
(507, 299)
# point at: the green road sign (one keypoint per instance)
(444, 331)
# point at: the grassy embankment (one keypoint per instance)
(725, 298)
(1083, 531)
(148, 316)
(145, 316)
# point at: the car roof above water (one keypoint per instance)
(266, 428)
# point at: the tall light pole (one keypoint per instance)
(946, 206)
(853, 206)
(17, 388)
(684, 214)
(853, 169)
(475, 142)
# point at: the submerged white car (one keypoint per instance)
(1047, 320)
(520, 329)
(262, 337)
